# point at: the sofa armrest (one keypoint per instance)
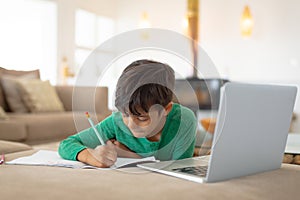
(12, 130)
(84, 98)
(12, 147)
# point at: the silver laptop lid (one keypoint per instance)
(251, 130)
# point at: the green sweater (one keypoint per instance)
(177, 139)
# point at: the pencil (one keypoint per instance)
(94, 128)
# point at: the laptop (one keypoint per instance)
(249, 138)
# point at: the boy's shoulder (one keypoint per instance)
(183, 113)
(182, 109)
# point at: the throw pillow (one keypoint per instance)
(4, 71)
(3, 115)
(35, 73)
(13, 98)
(39, 96)
(2, 98)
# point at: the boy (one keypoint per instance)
(148, 123)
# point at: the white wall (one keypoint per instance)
(272, 54)
(167, 14)
(66, 24)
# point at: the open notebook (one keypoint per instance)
(51, 158)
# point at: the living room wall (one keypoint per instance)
(270, 55)
(66, 25)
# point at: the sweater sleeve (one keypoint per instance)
(71, 146)
(186, 137)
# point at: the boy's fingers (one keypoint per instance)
(108, 152)
(112, 155)
(112, 158)
(104, 160)
(111, 146)
(107, 162)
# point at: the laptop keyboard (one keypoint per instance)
(197, 170)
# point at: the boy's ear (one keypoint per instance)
(168, 108)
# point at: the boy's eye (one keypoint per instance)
(142, 119)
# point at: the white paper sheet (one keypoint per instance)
(52, 158)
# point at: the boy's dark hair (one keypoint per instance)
(142, 84)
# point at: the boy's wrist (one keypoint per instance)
(82, 155)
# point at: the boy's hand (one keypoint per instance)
(101, 156)
(124, 151)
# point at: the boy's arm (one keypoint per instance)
(70, 147)
(186, 138)
(73, 145)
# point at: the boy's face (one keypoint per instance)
(147, 124)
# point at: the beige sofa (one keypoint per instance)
(33, 128)
(46, 127)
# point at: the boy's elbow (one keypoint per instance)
(62, 149)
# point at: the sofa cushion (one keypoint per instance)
(39, 96)
(43, 127)
(91, 99)
(3, 115)
(46, 126)
(13, 97)
(4, 71)
(12, 130)
(3, 103)
(12, 147)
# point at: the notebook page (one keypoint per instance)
(52, 158)
(128, 162)
(46, 158)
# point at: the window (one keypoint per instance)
(90, 31)
(29, 36)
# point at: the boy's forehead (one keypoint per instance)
(141, 111)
